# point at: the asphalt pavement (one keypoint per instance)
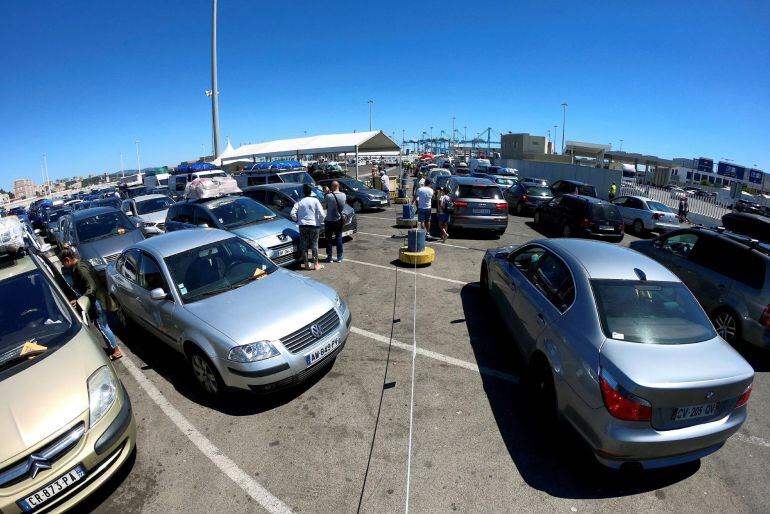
(474, 446)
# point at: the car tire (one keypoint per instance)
(205, 374)
(638, 227)
(727, 326)
(122, 317)
(566, 231)
(519, 209)
(537, 220)
(542, 392)
(357, 205)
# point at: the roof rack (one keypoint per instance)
(750, 242)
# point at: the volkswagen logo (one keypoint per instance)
(710, 395)
(315, 329)
(283, 237)
(36, 464)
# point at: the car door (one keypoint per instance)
(550, 211)
(180, 217)
(281, 203)
(712, 262)
(203, 218)
(508, 276)
(156, 315)
(546, 292)
(673, 251)
(635, 211)
(621, 203)
(127, 282)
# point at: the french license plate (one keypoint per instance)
(347, 233)
(286, 251)
(53, 489)
(480, 211)
(319, 353)
(695, 411)
(606, 228)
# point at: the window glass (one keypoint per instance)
(181, 182)
(731, 260)
(154, 205)
(556, 201)
(255, 180)
(238, 211)
(657, 206)
(604, 211)
(680, 244)
(203, 217)
(650, 312)
(150, 275)
(273, 179)
(538, 191)
(103, 225)
(526, 258)
(554, 280)
(482, 192)
(622, 201)
(183, 214)
(130, 268)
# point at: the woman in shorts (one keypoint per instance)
(446, 207)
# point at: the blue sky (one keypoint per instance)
(85, 79)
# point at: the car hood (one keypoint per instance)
(154, 217)
(268, 230)
(48, 396)
(109, 245)
(266, 309)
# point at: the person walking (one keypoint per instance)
(446, 207)
(309, 215)
(88, 283)
(613, 191)
(422, 198)
(334, 201)
(684, 209)
(385, 181)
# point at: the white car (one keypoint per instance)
(151, 209)
(677, 193)
(646, 215)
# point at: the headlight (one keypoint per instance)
(102, 390)
(253, 352)
(96, 261)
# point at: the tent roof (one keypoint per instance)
(375, 141)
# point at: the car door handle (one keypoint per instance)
(540, 319)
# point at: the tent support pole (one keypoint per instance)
(356, 162)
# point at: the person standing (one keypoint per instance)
(309, 215)
(613, 191)
(88, 283)
(684, 209)
(446, 206)
(423, 198)
(334, 202)
(385, 181)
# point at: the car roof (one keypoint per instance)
(588, 199)
(12, 268)
(277, 185)
(601, 260)
(576, 182)
(643, 198)
(472, 180)
(148, 197)
(93, 211)
(178, 241)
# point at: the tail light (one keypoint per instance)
(622, 404)
(524, 198)
(764, 319)
(622, 228)
(501, 206)
(744, 399)
(461, 204)
(585, 223)
(656, 215)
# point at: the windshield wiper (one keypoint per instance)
(21, 353)
(213, 292)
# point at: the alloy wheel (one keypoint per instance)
(726, 326)
(204, 374)
(358, 206)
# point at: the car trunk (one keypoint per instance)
(672, 376)
(604, 219)
(480, 200)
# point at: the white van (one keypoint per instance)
(155, 181)
(177, 182)
(478, 165)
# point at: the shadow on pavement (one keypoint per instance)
(174, 368)
(558, 463)
(757, 357)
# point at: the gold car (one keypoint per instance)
(66, 423)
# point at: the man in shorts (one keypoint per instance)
(423, 197)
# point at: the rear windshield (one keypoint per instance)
(103, 225)
(538, 191)
(603, 211)
(587, 190)
(154, 205)
(300, 176)
(237, 212)
(657, 206)
(486, 192)
(650, 312)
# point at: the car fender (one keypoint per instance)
(203, 341)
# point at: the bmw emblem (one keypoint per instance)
(710, 395)
(315, 329)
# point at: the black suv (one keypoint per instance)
(564, 187)
(577, 215)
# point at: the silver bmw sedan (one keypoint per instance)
(240, 320)
(618, 346)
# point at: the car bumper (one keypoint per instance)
(102, 451)
(604, 236)
(287, 369)
(479, 222)
(376, 203)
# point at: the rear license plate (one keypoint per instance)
(347, 233)
(606, 228)
(319, 353)
(481, 211)
(695, 411)
(286, 251)
(50, 491)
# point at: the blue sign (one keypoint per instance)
(731, 170)
(704, 164)
(755, 176)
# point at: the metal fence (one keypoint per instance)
(704, 210)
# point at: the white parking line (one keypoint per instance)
(214, 454)
(390, 268)
(751, 439)
(426, 242)
(393, 220)
(438, 356)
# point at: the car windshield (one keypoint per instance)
(587, 190)
(650, 312)
(538, 191)
(216, 268)
(300, 176)
(237, 212)
(657, 206)
(153, 205)
(356, 185)
(605, 211)
(103, 225)
(485, 192)
(505, 181)
(33, 319)
(108, 202)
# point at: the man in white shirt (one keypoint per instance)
(309, 215)
(423, 198)
(385, 181)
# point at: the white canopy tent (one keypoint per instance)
(375, 142)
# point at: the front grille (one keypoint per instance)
(284, 259)
(281, 246)
(111, 258)
(161, 226)
(45, 456)
(303, 338)
(299, 377)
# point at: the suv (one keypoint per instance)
(275, 237)
(728, 273)
(178, 181)
(478, 204)
(66, 423)
(359, 195)
(563, 187)
(576, 215)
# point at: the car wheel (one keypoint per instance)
(638, 227)
(519, 209)
(542, 392)
(566, 231)
(537, 220)
(357, 205)
(121, 315)
(205, 374)
(484, 280)
(726, 325)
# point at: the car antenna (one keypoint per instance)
(640, 274)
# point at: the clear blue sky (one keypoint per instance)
(84, 79)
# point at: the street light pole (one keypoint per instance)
(621, 145)
(555, 135)
(214, 87)
(138, 160)
(563, 124)
(370, 102)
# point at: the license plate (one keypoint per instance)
(347, 233)
(286, 251)
(606, 227)
(695, 411)
(480, 211)
(319, 353)
(53, 489)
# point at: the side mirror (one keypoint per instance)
(84, 303)
(158, 294)
(657, 243)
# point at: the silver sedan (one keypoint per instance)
(240, 320)
(619, 347)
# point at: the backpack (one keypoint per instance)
(449, 206)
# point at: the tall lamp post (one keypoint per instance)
(555, 135)
(138, 159)
(621, 145)
(563, 124)
(214, 93)
(370, 102)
